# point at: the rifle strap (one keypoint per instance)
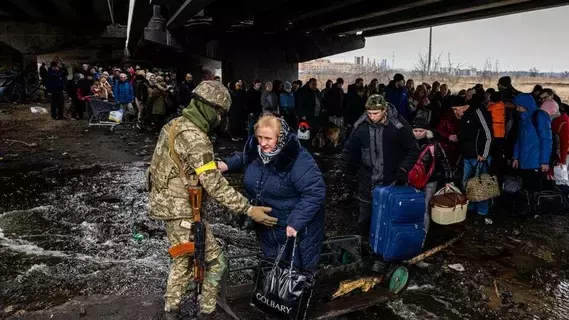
(172, 134)
(182, 249)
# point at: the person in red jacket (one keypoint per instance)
(447, 129)
(560, 127)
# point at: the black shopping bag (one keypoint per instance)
(281, 290)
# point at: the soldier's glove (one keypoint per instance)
(259, 215)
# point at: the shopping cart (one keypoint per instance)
(99, 110)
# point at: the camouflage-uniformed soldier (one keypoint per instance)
(184, 143)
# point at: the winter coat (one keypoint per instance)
(305, 101)
(396, 151)
(292, 185)
(73, 90)
(142, 87)
(157, 98)
(355, 105)
(54, 82)
(185, 93)
(448, 125)
(254, 102)
(475, 135)
(286, 102)
(498, 112)
(269, 101)
(399, 97)
(534, 140)
(334, 101)
(442, 171)
(123, 93)
(560, 126)
(237, 111)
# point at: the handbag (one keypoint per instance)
(482, 187)
(448, 206)
(281, 290)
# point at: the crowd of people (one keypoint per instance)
(389, 130)
(147, 96)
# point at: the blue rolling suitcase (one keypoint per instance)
(397, 223)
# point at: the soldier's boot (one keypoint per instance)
(172, 314)
(207, 316)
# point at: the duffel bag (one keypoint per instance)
(448, 206)
(548, 202)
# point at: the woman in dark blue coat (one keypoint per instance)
(280, 174)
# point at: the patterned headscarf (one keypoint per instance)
(284, 135)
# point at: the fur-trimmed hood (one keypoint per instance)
(283, 161)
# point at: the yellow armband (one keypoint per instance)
(206, 167)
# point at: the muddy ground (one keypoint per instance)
(72, 199)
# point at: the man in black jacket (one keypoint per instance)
(382, 146)
(185, 91)
(475, 140)
(334, 99)
(307, 104)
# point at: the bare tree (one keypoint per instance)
(533, 72)
(437, 63)
(422, 65)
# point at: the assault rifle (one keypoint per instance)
(199, 237)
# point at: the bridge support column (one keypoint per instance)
(253, 59)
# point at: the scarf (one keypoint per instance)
(284, 135)
(202, 115)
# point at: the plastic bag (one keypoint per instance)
(39, 110)
(561, 175)
(281, 290)
(116, 116)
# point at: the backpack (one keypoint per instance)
(418, 176)
(556, 146)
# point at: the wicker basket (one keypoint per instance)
(445, 213)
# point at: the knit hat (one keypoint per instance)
(457, 101)
(420, 123)
(398, 77)
(376, 102)
(505, 81)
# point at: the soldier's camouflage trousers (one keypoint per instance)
(182, 269)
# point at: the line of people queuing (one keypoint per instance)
(149, 97)
(503, 131)
(474, 131)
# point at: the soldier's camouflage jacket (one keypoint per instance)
(168, 197)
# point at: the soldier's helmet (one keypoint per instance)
(214, 94)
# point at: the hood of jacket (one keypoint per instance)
(527, 101)
(282, 161)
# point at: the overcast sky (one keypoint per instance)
(537, 39)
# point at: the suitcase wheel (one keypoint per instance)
(398, 279)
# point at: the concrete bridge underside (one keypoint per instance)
(252, 38)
